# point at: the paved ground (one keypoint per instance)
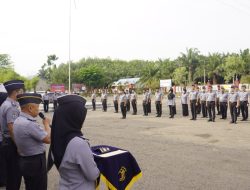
(175, 154)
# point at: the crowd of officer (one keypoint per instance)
(204, 101)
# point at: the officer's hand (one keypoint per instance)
(46, 122)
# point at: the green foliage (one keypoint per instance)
(47, 68)
(92, 76)
(180, 75)
(5, 62)
(245, 79)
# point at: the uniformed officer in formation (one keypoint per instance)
(234, 103)
(123, 102)
(244, 102)
(115, 101)
(9, 111)
(158, 102)
(145, 102)
(3, 97)
(218, 92)
(128, 100)
(104, 98)
(46, 102)
(171, 102)
(211, 98)
(237, 90)
(30, 137)
(134, 102)
(93, 100)
(223, 100)
(203, 97)
(54, 97)
(193, 96)
(149, 100)
(184, 102)
(198, 104)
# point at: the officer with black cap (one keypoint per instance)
(3, 97)
(123, 102)
(9, 111)
(30, 138)
(244, 96)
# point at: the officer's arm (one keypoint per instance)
(46, 123)
(10, 127)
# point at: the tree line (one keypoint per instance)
(189, 67)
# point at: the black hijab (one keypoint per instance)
(66, 124)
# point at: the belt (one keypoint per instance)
(33, 156)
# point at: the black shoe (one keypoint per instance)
(231, 122)
(157, 116)
(171, 117)
(243, 120)
(213, 120)
(209, 120)
(192, 119)
(222, 118)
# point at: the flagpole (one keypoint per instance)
(69, 46)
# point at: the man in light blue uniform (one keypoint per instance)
(211, 98)
(193, 97)
(9, 111)
(244, 96)
(30, 138)
(223, 99)
(234, 103)
(3, 97)
(203, 97)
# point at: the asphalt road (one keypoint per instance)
(175, 154)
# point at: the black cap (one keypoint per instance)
(3, 96)
(70, 98)
(13, 85)
(27, 98)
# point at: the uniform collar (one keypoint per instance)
(13, 102)
(29, 117)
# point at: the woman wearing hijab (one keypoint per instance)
(70, 151)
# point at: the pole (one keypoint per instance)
(204, 73)
(69, 46)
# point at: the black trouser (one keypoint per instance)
(204, 108)
(198, 107)
(193, 109)
(3, 175)
(211, 110)
(158, 108)
(55, 104)
(238, 111)
(171, 111)
(104, 105)
(128, 105)
(223, 109)
(233, 111)
(185, 109)
(46, 105)
(218, 107)
(93, 104)
(244, 109)
(14, 176)
(34, 172)
(149, 106)
(123, 109)
(134, 106)
(116, 106)
(145, 107)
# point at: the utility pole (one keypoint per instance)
(69, 46)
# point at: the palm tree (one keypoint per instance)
(214, 66)
(190, 60)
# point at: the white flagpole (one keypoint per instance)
(69, 46)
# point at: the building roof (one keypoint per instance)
(126, 81)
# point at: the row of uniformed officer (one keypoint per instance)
(9, 112)
(30, 137)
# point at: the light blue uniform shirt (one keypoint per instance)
(9, 111)
(193, 95)
(78, 170)
(244, 96)
(211, 96)
(223, 97)
(28, 135)
(233, 97)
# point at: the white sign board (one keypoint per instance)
(165, 83)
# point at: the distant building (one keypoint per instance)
(128, 83)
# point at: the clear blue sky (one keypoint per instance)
(125, 29)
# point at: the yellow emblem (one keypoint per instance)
(122, 173)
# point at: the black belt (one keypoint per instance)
(33, 156)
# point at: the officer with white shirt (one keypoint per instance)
(184, 102)
(123, 102)
(193, 97)
(234, 103)
(93, 100)
(244, 102)
(211, 98)
(145, 102)
(158, 102)
(115, 101)
(46, 102)
(104, 98)
(223, 99)
(203, 97)
(134, 102)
